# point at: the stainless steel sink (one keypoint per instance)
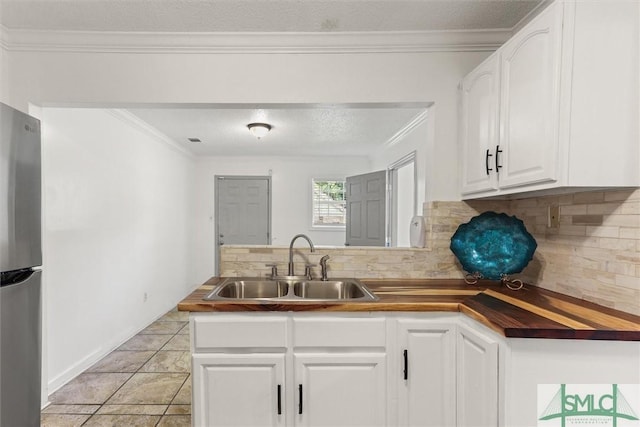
(246, 289)
(332, 290)
(292, 288)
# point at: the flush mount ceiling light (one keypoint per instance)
(259, 129)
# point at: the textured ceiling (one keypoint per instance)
(262, 15)
(297, 130)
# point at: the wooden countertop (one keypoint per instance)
(531, 312)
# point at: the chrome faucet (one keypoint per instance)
(313, 249)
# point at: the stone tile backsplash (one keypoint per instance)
(593, 254)
(343, 262)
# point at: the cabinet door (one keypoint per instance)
(343, 389)
(238, 390)
(426, 374)
(479, 127)
(530, 98)
(477, 379)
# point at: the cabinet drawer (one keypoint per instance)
(238, 332)
(339, 332)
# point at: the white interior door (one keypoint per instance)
(366, 209)
(243, 211)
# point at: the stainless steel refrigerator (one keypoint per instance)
(20, 269)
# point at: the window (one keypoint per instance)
(329, 203)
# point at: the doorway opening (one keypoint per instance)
(403, 198)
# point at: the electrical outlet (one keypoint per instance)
(553, 216)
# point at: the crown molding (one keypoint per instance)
(399, 136)
(135, 122)
(532, 14)
(248, 43)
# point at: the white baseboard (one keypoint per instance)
(85, 363)
(74, 370)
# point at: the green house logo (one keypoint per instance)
(590, 404)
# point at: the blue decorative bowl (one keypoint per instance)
(492, 245)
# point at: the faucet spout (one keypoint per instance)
(313, 249)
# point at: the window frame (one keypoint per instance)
(314, 226)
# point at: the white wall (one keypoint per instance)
(291, 198)
(117, 227)
(117, 78)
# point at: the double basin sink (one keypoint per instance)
(290, 288)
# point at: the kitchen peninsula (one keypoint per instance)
(428, 352)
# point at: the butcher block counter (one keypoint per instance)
(530, 312)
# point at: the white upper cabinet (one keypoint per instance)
(530, 66)
(567, 115)
(479, 127)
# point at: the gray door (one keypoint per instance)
(242, 211)
(366, 207)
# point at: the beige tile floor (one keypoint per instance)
(144, 382)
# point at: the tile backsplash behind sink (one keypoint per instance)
(593, 254)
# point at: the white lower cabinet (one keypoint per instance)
(340, 370)
(348, 369)
(426, 386)
(477, 378)
(238, 370)
(342, 389)
(238, 389)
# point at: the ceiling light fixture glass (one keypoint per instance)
(259, 129)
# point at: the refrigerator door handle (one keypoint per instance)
(16, 277)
